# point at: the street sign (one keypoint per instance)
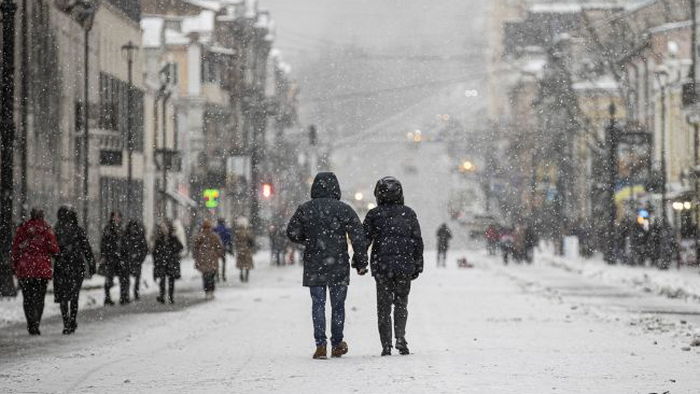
(211, 198)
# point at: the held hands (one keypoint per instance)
(361, 271)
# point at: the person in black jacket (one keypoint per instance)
(393, 231)
(114, 264)
(70, 264)
(444, 235)
(322, 225)
(135, 251)
(166, 260)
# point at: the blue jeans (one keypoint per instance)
(318, 312)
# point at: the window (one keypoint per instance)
(114, 112)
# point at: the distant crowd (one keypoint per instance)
(63, 254)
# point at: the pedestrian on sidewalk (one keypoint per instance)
(224, 233)
(166, 260)
(207, 249)
(444, 235)
(32, 248)
(491, 235)
(393, 231)
(135, 252)
(278, 244)
(322, 225)
(113, 262)
(245, 248)
(70, 266)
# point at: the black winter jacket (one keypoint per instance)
(322, 225)
(166, 257)
(73, 259)
(111, 251)
(393, 231)
(135, 247)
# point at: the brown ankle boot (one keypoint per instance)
(339, 350)
(321, 353)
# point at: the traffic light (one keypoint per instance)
(211, 198)
(267, 190)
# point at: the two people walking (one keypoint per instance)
(34, 245)
(323, 225)
(123, 251)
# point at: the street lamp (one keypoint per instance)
(359, 196)
(611, 142)
(86, 17)
(128, 51)
(7, 144)
(662, 79)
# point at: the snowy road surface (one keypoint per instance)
(490, 329)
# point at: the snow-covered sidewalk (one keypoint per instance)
(681, 283)
(92, 295)
(470, 330)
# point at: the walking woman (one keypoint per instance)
(207, 249)
(32, 248)
(393, 231)
(245, 247)
(113, 263)
(135, 252)
(166, 260)
(70, 265)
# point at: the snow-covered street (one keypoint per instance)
(515, 329)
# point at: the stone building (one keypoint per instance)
(51, 59)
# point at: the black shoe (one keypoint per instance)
(402, 347)
(160, 299)
(67, 331)
(386, 351)
(34, 331)
(124, 301)
(108, 301)
(136, 297)
(172, 300)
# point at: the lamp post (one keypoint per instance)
(661, 75)
(7, 145)
(86, 18)
(611, 141)
(166, 158)
(128, 50)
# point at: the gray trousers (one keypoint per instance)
(392, 291)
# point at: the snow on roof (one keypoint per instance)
(213, 5)
(534, 66)
(605, 82)
(222, 50)
(173, 37)
(202, 23)
(152, 28)
(555, 8)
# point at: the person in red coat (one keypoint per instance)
(32, 248)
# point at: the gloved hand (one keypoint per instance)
(416, 274)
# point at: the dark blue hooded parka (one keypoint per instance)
(323, 226)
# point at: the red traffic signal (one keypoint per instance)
(267, 190)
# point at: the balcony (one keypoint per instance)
(168, 158)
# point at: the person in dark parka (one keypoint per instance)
(444, 235)
(113, 261)
(166, 260)
(322, 225)
(393, 231)
(70, 265)
(135, 252)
